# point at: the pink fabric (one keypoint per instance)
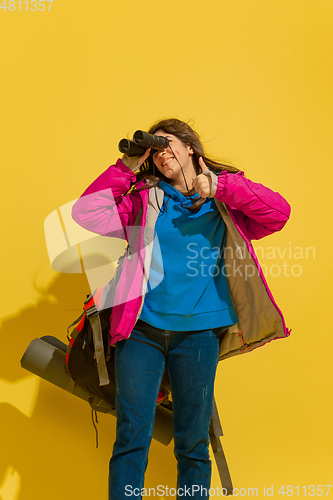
(256, 211)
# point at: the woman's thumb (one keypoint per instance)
(203, 165)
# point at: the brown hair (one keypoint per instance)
(188, 136)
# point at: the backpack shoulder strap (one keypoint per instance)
(93, 315)
(215, 431)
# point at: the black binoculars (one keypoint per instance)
(142, 141)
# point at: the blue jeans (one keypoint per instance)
(140, 361)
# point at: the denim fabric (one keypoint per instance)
(140, 361)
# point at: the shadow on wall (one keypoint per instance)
(48, 440)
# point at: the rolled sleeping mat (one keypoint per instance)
(46, 357)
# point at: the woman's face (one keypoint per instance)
(165, 161)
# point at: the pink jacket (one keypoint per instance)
(250, 211)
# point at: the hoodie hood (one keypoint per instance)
(176, 195)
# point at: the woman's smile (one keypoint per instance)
(167, 161)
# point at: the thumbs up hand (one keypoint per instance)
(202, 183)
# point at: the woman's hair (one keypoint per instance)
(189, 137)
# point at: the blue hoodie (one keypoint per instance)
(187, 288)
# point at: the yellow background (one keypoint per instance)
(256, 79)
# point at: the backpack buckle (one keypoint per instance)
(92, 311)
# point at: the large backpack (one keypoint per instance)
(90, 363)
(90, 357)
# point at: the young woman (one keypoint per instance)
(188, 292)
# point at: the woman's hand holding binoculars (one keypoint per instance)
(143, 158)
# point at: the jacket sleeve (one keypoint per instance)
(103, 208)
(258, 210)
